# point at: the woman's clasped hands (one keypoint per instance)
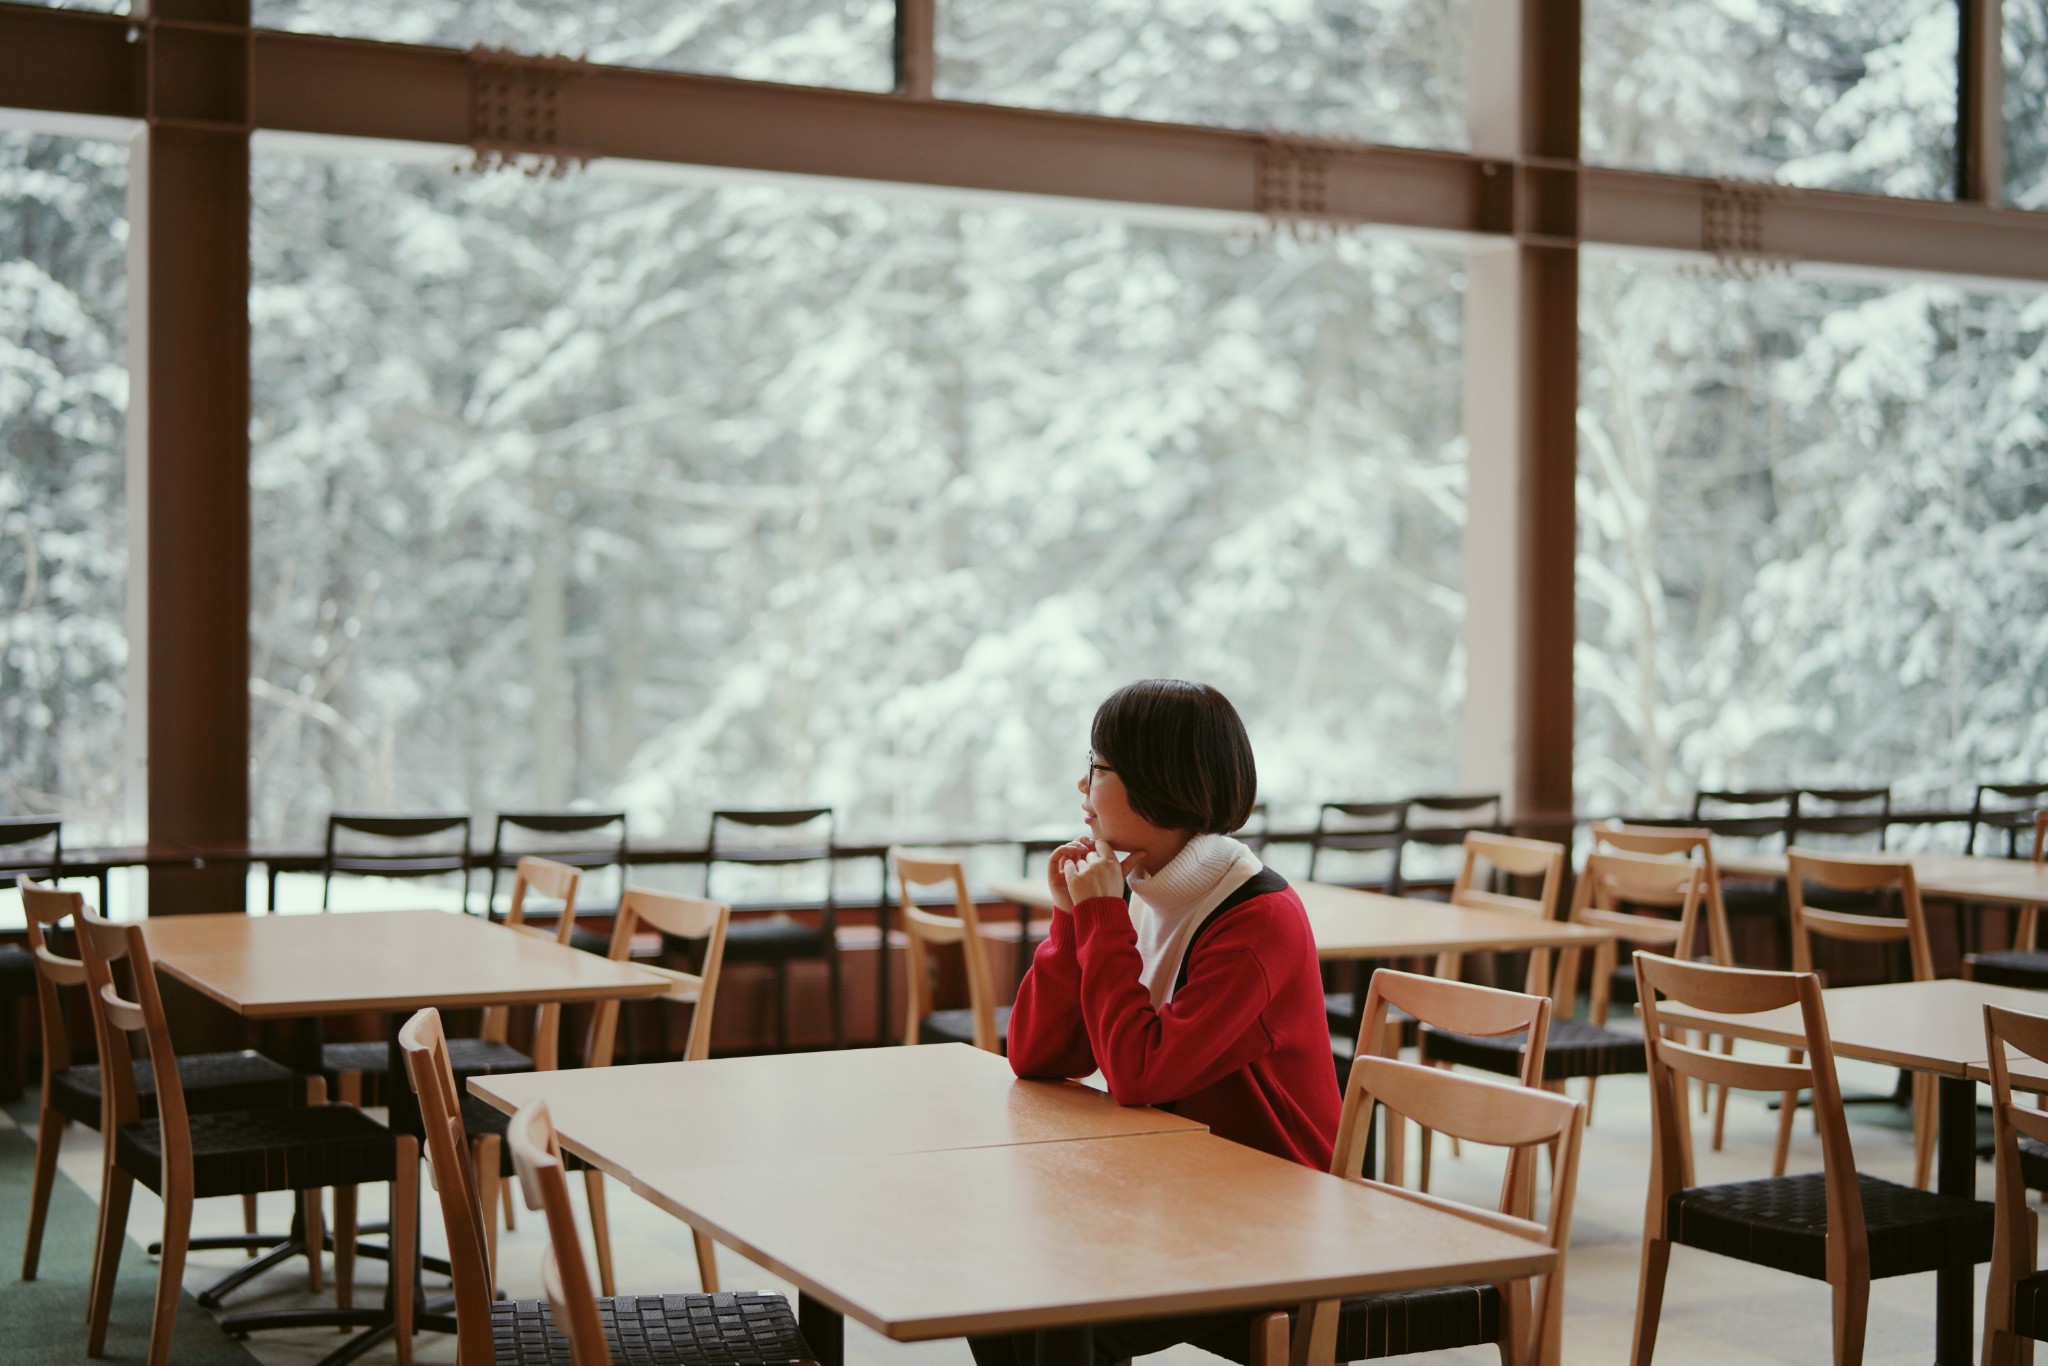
(1081, 869)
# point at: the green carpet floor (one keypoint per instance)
(44, 1320)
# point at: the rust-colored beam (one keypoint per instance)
(69, 63)
(1980, 103)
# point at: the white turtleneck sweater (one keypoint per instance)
(1170, 905)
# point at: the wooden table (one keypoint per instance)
(1348, 923)
(1956, 877)
(793, 1108)
(928, 1194)
(1935, 1027)
(298, 968)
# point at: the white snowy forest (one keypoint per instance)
(665, 491)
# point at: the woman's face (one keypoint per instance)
(1107, 809)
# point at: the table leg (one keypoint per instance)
(823, 1328)
(1066, 1346)
(1955, 1173)
(882, 1022)
(300, 1051)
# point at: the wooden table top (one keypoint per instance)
(1045, 1235)
(802, 1107)
(1348, 923)
(1958, 877)
(1933, 1026)
(272, 967)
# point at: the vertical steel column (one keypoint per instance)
(190, 290)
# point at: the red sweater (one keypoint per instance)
(1243, 1046)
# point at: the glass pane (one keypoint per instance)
(2026, 103)
(1809, 525)
(1806, 92)
(63, 483)
(786, 498)
(1388, 71)
(844, 43)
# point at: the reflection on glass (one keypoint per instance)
(1805, 92)
(63, 541)
(1388, 71)
(1809, 516)
(843, 43)
(2026, 103)
(772, 498)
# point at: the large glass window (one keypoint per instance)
(1811, 517)
(1806, 92)
(2026, 103)
(673, 496)
(1382, 71)
(845, 43)
(63, 534)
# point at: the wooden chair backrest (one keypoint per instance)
(2040, 836)
(1516, 857)
(1457, 1008)
(1614, 879)
(1856, 874)
(1678, 842)
(1497, 1114)
(46, 908)
(565, 1277)
(679, 917)
(2013, 1250)
(557, 881)
(1745, 991)
(924, 926)
(425, 1047)
(115, 1017)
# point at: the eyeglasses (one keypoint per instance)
(1088, 780)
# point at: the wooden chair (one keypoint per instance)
(2011, 807)
(1862, 875)
(1366, 837)
(1393, 1000)
(394, 846)
(1438, 821)
(743, 1328)
(1759, 818)
(984, 1024)
(72, 1092)
(767, 935)
(590, 841)
(1836, 1225)
(1527, 1329)
(184, 1156)
(2016, 1296)
(359, 1073)
(1696, 846)
(2024, 964)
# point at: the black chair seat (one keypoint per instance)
(747, 1328)
(213, 1082)
(598, 942)
(296, 1148)
(2033, 1165)
(470, 1057)
(1576, 1048)
(17, 971)
(1400, 1323)
(957, 1026)
(1782, 1222)
(2009, 968)
(754, 938)
(2030, 1306)
(1740, 897)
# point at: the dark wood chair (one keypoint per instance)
(2024, 964)
(184, 1156)
(2010, 807)
(782, 840)
(1365, 837)
(1759, 819)
(2016, 1296)
(394, 846)
(1836, 1225)
(592, 841)
(1440, 821)
(29, 848)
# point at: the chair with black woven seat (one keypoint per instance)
(983, 1023)
(1837, 1225)
(517, 1333)
(28, 848)
(185, 1156)
(1526, 1327)
(394, 847)
(2016, 1296)
(784, 842)
(2010, 807)
(1437, 822)
(1864, 876)
(71, 1092)
(359, 1073)
(1355, 844)
(748, 1329)
(592, 841)
(2025, 964)
(1756, 820)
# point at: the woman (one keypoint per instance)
(1177, 964)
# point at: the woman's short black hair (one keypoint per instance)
(1182, 753)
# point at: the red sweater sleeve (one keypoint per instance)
(1048, 1037)
(1210, 1029)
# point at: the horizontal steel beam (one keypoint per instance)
(73, 63)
